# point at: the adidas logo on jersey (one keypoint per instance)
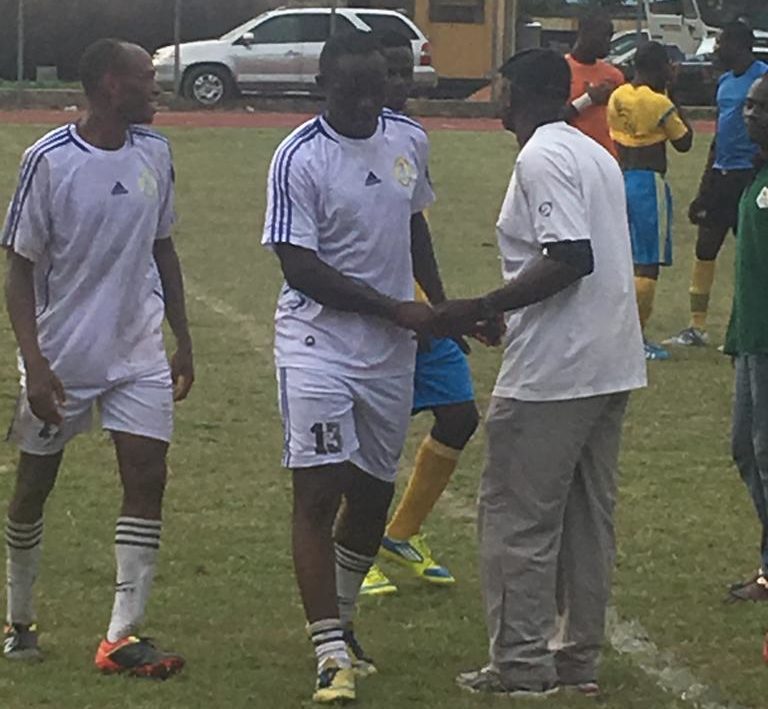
(119, 189)
(372, 180)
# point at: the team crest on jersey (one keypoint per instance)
(405, 173)
(762, 199)
(148, 183)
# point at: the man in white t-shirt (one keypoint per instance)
(343, 191)
(573, 351)
(92, 274)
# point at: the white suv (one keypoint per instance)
(278, 52)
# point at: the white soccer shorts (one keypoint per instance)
(329, 418)
(142, 406)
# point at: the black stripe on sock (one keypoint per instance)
(127, 543)
(23, 547)
(138, 528)
(24, 529)
(10, 536)
(142, 525)
(353, 558)
(131, 533)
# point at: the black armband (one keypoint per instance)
(577, 254)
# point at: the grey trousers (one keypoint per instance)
(546, 532)
(749, 436)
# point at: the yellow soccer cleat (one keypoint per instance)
(376, 583)
(335, 684)
(415, 555)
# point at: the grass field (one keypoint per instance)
(225, 594)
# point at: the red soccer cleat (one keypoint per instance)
(137, 657)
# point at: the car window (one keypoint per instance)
(283, 29)
(622, 45)
(387, 23)
(316, 27)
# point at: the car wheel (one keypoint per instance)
(208, 85)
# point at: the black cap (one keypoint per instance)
(539, 72)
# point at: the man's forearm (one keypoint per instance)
(305, 272)
(541, 280)
(173, 291)
(425, 268)
(21, 305)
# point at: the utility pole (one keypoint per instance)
(504, 41)
(177, 48)
(20, 50)
(334, 6)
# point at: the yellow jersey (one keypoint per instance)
(638, 117)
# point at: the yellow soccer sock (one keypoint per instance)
(432, 470)
(645, 289)
(702, 278)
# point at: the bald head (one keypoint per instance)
(108, 56)
(756, 113)
(119, 80)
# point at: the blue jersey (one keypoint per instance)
(733, 148)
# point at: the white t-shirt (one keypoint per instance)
(351, 202)
(585, 340)
(88, 219)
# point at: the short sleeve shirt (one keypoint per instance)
(584, 341)
(748, 327)
(593, 120)
(88, 219)
(351, 202)
(638, 117)
(734, 150)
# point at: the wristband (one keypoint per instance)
(582, 103)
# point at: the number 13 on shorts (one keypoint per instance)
(327, 438)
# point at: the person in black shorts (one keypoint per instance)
(728, 172)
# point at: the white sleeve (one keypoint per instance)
(423, 194)
(167, 189)
(552, 190)
(292, 198)
(27, 229)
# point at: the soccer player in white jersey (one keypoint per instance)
(92, 272)
(343, 189)
(573, 351)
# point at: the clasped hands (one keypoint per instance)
(452, 318)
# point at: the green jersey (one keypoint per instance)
(748, 328)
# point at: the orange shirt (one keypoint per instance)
(593, 121)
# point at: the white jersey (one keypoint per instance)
(88, 219)
(584, 341)
(351, 202)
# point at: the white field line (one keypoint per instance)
(256, 335)
(627, 637)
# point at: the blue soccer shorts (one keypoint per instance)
(442, 376)
(649, 207)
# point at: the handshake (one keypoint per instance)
(452, 318)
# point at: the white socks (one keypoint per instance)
(136, 544)
(22, 546)
(351, 569)
(328, 639)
